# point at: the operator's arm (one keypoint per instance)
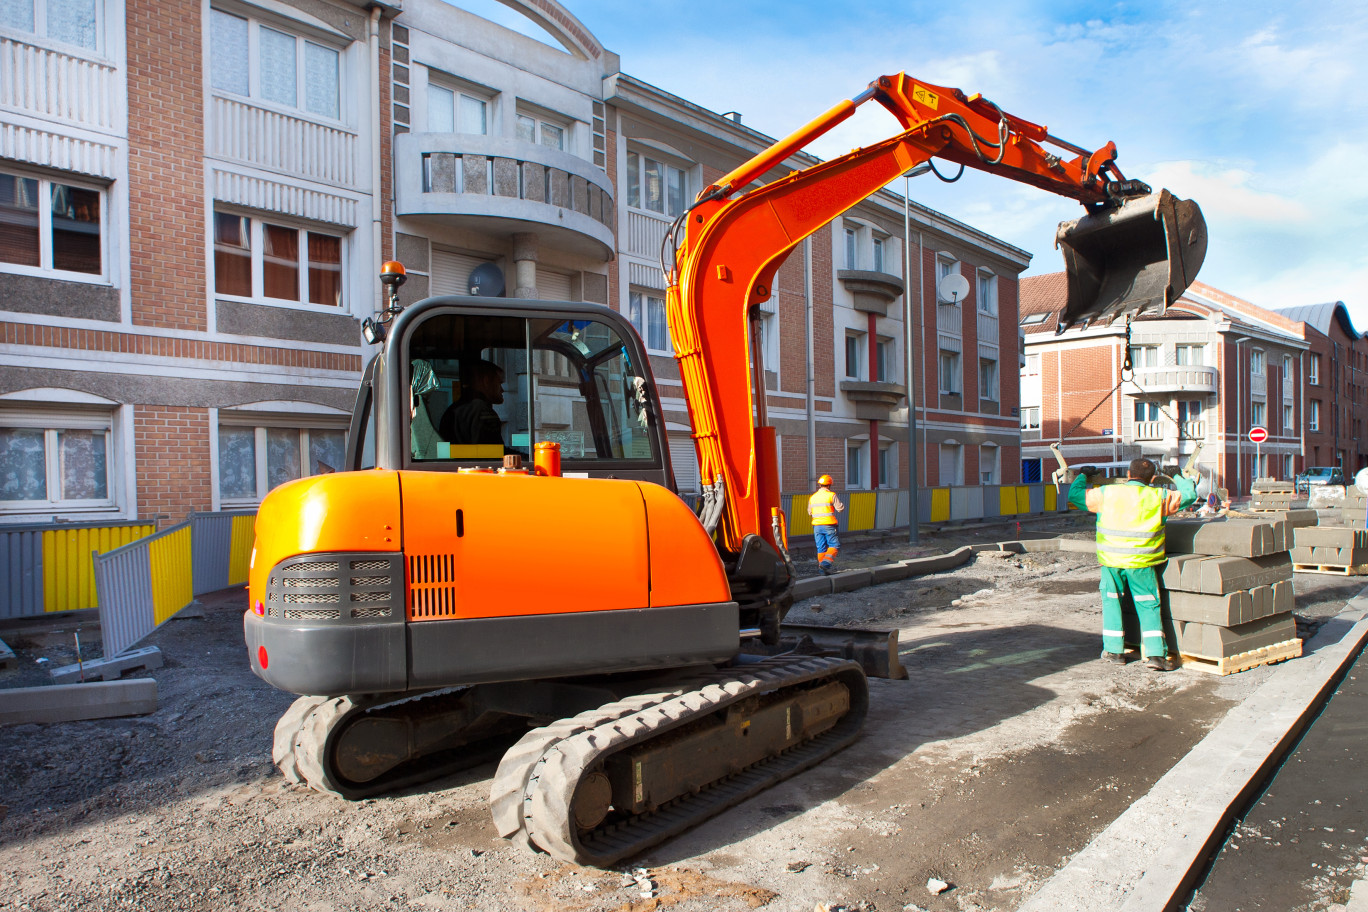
(1078, 492)
(1181, 499)
(837, 503)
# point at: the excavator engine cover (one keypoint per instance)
(1138, 256)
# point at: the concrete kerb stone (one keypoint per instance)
(849, 580)
(811, 588)
(1148, 858)
(72, 702)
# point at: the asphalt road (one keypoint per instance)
(1303, 842)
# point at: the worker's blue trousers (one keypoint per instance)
(1143, 585)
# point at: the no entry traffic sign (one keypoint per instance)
(1258, 434)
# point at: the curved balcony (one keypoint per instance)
(1178, 379)
(872, 291)
(502, 186)
(874, 400)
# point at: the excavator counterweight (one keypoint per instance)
(1138, 256)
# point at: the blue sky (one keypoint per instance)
(1257, 110)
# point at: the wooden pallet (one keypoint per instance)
(1335, 569)
(1243, 661)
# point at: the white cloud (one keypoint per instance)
(1227, 192)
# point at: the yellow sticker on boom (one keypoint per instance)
(925, 96)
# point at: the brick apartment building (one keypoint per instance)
(194, 198)
(1336, 376)
(1208, 370)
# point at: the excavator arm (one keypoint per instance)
(732, 241)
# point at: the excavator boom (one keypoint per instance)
(1134, 250)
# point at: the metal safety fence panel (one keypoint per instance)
(221, 547)
(142, 584)
(48, 568)
(862, 511)
(886, 511)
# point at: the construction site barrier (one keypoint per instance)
(47, 568)
(142, 584)
(221, 549)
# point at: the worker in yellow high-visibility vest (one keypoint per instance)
(823, 507)
(1130, 544)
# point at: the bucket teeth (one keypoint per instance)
(1136, 257)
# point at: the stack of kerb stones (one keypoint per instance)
(1269, 495)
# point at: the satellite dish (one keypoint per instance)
(952, 289)
(1361, 480)
(487, 281)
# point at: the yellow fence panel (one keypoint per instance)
(940, 504)
(1023, 499)
(1050, 501)
(240, 551)
(863, 505)
(68, 571)
(173, 578)
(800, 523)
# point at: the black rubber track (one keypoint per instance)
(536, 782)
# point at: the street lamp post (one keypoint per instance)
(913, 505)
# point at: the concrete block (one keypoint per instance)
(1171, 574)
(109, 669)
(1268, 485)
(1235, 537)
(1222, 610)
(7, 658)
(888, 573)
(1330, 537)
(808, 588)
(1295, 518)
(1210, 641)
(1221, 575)
(1301, 555)
(938, 562)
(1081, 545)
(70, 702)
(849, 580)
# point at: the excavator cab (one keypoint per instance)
(1137, 254)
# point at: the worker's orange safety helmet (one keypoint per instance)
(824, 480)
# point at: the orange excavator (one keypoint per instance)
(503, 568)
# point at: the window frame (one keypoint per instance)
(255, 23)
(1185, 349)
(260, 424)
(635, 178)
(1257, 362)
(986, 279)
(855, 350)
(888, 466)
(992, 381)
(1152, 408)
(1313, 418)
(955, 368)
(1313, 372)
(458, 90)
(1258, 414)
(856, 462)
(52, 423)
(45, 269)
(994, 476)
(258, 220)
(642, 298)
(41, 35)
(1027, 413)
(1147, 353)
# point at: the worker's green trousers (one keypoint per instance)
(1143, 585)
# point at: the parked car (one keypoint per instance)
(1319, 475)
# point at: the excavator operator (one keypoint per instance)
(471, 419)
(1130, 544)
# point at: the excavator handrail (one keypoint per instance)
(734, 242)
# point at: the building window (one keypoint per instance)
(1030, 471)
(1287, 364)
(255, 258)
(1190, 410)
(1315, 370)
(1032, 365)
(256, 61)
(647, 313)
(987, 293)
(252, 460)
(988, 465)
(1032, 319)
(452, 111)
(1030, 418)
(854, 355)
(544, 133)
(1256, 414)
(1313, 420)
(945, 266)
(951, 464)
(855, 465)
(949, 372)
(1288, 471)
(988, 379)
(851, 249)
(1191, 355)
(883, 351)
(655, 186)
(68, 21)
(1146, 411)
(49, 227)
(1256, 361)
(886, 467)
(1144, 356)
(1288, 422)
(50, 464)
(878, 255)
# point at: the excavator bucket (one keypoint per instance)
(1138, 256)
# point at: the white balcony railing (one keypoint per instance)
(1149, 430)
(1192, 430)
(987, 327)
(1194, 378)
(1258, 384)
(1289, 390)
(54, 85)
(644, 233)
(950, 319)
(280, 142)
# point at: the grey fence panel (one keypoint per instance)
(786, 504)
(21, 573)
(886, 508)
(123, 580)
(992, 501)
(1037, 494)
(211, 543)
(904, 509)
(924, 505)
(966, 502)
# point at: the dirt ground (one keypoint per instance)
(1006, 751)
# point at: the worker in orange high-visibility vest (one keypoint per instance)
(823, 507)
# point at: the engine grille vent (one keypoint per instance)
(312, 614)
(315, 589)
(432, 587)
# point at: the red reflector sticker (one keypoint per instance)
(261, 656)
(260, 609)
